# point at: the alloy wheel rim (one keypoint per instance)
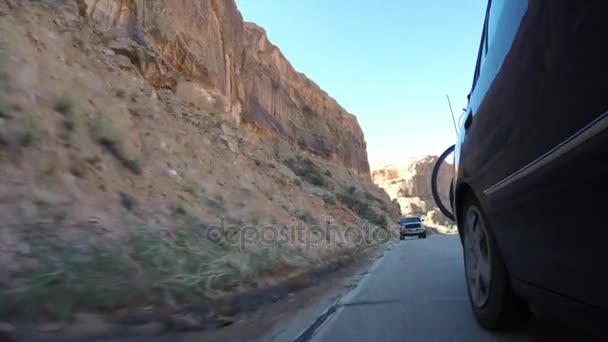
(477, 257)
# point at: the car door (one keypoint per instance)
(538, 112)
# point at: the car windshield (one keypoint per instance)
(410, 220)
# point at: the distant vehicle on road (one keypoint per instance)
(412, 226)
(530, 164)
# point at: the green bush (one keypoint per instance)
(307, 217)
(306, 169)
(329, 199)
(369, 196)
(361, 208)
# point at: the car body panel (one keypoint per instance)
(542, 87)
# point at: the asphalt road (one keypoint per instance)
(417, 292)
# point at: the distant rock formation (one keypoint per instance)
(410, 185)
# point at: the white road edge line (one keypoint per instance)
(336, 308)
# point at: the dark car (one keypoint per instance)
(412, 226)
(530, 162)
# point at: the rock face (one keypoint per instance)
(238, 69)
(410, 185)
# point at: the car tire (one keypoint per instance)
(401, 237)
(424, 236)
(492, 300)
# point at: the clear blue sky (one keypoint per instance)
(389, 62)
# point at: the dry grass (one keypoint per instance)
(307, 170)
(108, 137)
(151, 268)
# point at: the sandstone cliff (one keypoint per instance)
(160, 153)
(410, 185)
(239, 70)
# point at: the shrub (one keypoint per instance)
(65, 106)
(179, 209)
(307, 217)
(329, 199)
(361, 208)
(107, 137)
(369, 196)
(306, 169)
(26, 136)
(190, 188)
(128, 201)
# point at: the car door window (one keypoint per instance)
(504, 18)
(501, 25)
(495, 12)
(480, 57)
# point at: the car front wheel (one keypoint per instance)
(494, 303)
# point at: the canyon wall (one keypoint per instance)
(233, 67)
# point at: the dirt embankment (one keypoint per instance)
(129, 185)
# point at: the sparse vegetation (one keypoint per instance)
(26, 136)
(216, 201)
(261, 220)
(128, 201)
(17, 132)
(121, 93)
(152, 267)
(368, 195)
(6, 110)
(351, 200)
(68, 279)
(95, 256)
(189, 188)
(179, 209)
(307, 217)
(4, 137)
(65, 106)
(329, 199)
(59, 216)
(220, 198)
(112, 142)
(306, 169)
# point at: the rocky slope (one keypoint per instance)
(410, 185)
(156, 153)
(239, 70)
